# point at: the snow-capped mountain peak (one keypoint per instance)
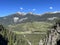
(21, 13)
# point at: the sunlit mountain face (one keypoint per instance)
(19, 18)
(37, 11)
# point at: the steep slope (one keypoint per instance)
(18, 18)
(45, 16)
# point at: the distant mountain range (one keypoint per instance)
(29, 17)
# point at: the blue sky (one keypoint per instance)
(36, 6)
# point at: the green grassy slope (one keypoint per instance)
(33, 31)
(22, 34)
(30, 26)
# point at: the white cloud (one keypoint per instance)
(34, 9)
(28, 9)
(50, 7)
(21, 8)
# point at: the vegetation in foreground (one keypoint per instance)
(25, 33)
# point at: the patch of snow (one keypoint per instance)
(21, 13)
(29, 13)
(16, 19)
(52, 12)
(52, 18)
(23, 19)
(56, 12)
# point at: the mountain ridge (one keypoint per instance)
(27, 17)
